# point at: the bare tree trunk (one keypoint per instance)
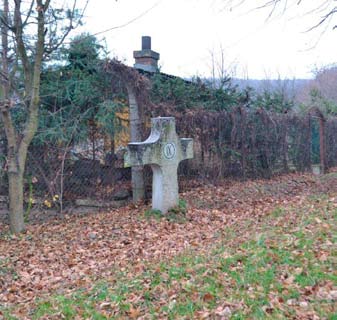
(18, 144)
(16, 217)
(29, 57)
(137, 172)
(15, 175)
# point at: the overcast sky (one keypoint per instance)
(187, 32)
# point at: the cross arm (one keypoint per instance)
(141, 153)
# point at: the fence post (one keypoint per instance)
(322, 146)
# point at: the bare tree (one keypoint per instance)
(321, 91)
(30, 32)
(326, 9)
(222, 70)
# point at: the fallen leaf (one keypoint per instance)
(208, 297)
(134, 313)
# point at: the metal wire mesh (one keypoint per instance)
(239, 143)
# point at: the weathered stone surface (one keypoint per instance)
(100, 204)
(121, 194)
(163, 150)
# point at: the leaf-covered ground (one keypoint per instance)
(257, 249)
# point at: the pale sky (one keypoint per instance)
(186, 32)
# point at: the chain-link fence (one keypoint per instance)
(254, 143)
(238, 143)
(85, 173)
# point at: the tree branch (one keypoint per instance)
(32, 122)
(5, 104)
(29, 13)
(18, 31)
(9, 129)
(274, 4)
(324, 19)
(69, 28)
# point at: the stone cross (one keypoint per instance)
(163, 150)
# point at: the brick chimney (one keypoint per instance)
(146, 59)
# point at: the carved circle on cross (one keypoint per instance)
(169, 150)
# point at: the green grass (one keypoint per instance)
(176, 214)
(287, 270)
(153, 213)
